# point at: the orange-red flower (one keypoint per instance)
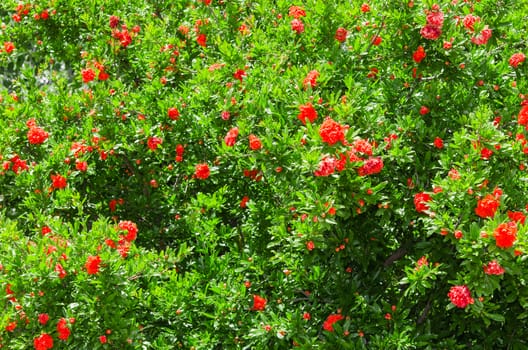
(505, 234)
(259, 303)
(487, 206)
(92, 264)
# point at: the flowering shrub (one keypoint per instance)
(236, 174)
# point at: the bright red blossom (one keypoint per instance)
(341, 34)
(259, 303)
(505, 234)
(88, 75)
(43, 342)
(420, 201)
(9, 46)
(517, 216)
(307, 111)
(331, 131)
(371, 166)
(296, 12)
(254, 143)
(297, 26)
(487, 206)
(173, 113)
(493, 268)
(311, 79)
(438, 143)
(58, 181)
(63, 330)
(202, 171)
(328, 324)
(130, 228)
(460, 296)
(419, 54)
(154, 142)
(36, 135)
(43, 318)
(92, 264)
(522, 119)
(231, 137)
(516, 59)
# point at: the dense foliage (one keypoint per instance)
(208, 174)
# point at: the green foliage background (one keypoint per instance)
(200, 257)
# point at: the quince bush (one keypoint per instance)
(273, 174)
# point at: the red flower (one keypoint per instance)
(202, 40)
(259, 303)
(376, 41)
(297, 26)
(460, 296)
(58, 181)
(424, 110)
(483, 37)
(63, 330)
(296, 12)
(310, 245)
(505, 234)
(430, 32)
(202, 171)
(9, 46)
(493, 268)
(516, 59)
(341, 34)
(173, 113)
(254, 143)
(92, 264)
(36, 135)
(239, 74)
(331, 132)
(487, 206)
(60, 270)
(523, 116)
(87, 75)
(131, 229)
(43, 318)
(114, 21)
(419, 54)
(365, 8)
(486, 153)
(11, 326)
(81, 165)
(371, 166)
(231, 136)
(311, 79)
(327, 166)
(469, 22)
(103, 339)
(153, 143)
(43, 342)
(420, 201)
(517, 216)
(328, 324)
(307, 111)
(243, 202)
(438, 143)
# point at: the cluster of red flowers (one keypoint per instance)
(311, 79)
(63, 330)
(92, 264)
(8, 47)
(254, 143)
(516, 59)
(493, 268)
(487, 206)
(435, 20)
(231, 137)
(505, 234)
(419, 54)
(296, 24)
(341, 34)
(123, 36)
(259, 303)
(331, 131)
(371, 166)
(153, 142)
(420, 201)
(43, 342)
(35, 134)
(15, 164)
(307, 111)
(328, 324)
(460, 296)
(58, 181)
(179, 152)
(202, 171)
